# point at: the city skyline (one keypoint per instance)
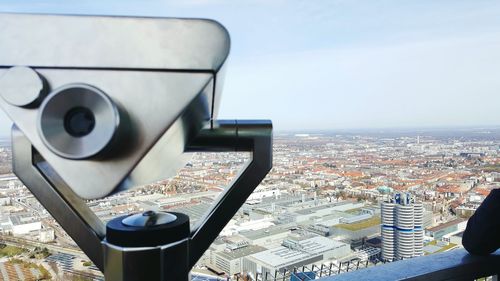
(321, 206)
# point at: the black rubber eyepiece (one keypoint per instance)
(79, 121)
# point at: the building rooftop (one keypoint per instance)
(373, 221)
(20, 220)
(195, 211)
(283, 256)
(241, 252)
(446, 225)
(273, 230)
(332, 206)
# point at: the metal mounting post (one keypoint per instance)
(71, 212)
(253, 136)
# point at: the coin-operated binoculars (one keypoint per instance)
(101, 105)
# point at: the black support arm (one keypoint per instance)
(253, 136)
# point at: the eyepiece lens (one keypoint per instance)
(79, 121)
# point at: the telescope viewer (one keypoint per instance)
(101, 105)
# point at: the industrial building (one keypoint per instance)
(451, 227)
(311, 212)
(273, 234)
(353, 230)
(230, 260)
(295, 251)
(23, 224)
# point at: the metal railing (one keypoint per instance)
(307, 273)
(452, 265)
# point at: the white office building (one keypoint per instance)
(47, 235)
(402, 231)
(296, 252)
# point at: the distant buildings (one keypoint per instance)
(320, 185)
(305, 214)
(402, 232)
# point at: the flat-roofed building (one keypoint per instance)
(273, 234)
(24, 224)
(455, 238)
(294, 252)
(315, 212)
(441, 230)
(5, 200)
(357, 230)
(230, 260)
(47, 235)
(5, 224)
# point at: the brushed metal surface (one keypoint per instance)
(112, 42)
(152, 102)
(22, 86)
(52, 121)
(162, 74)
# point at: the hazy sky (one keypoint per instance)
(342, 63)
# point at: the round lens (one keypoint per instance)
(79, 121)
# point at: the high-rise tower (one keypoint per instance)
(402, 233)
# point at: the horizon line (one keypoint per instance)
(388, 128)
(392, 128)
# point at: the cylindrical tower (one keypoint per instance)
(388, 243)
(404, 231)
(418, 214)
(418, 229)
(402, 227)
(418, 242)
(388, 211)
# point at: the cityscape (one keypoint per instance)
(334, 202)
